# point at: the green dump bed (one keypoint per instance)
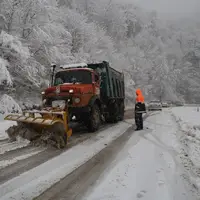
(112, 81)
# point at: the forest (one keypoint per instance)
(158, 55)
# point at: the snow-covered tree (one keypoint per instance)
(160, 56)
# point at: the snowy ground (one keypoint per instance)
(5, 146)
(160, 162)
(148, 168)
(37, 180)
(4, 125)
(188, 120)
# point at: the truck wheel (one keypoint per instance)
(121, 112)
(94, 119)
(116, 115)
(113, 113)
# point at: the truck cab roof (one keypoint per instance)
(75, 65)
(76, 68)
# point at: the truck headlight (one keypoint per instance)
(42, 92)
(77, 100)
(71, 91)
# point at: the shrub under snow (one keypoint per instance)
(5, 78)
(8, 105)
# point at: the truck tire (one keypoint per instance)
(94, 119)
(121, 112)
(116, 114)
(113, 116)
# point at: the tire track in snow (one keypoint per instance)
(4, 141)
(14, 156)
(7, 162)
(6, 147)
(18, 152)
(74, 185)
(26, 163)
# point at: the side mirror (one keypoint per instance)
(53, 66)
(97, 79)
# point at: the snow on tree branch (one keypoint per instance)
(5, 78)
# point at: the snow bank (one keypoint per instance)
(33, 182)
(188, 119)
(8, 105)
(4, 125)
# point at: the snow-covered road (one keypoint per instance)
(40, 178)
(160, 162)
(148, 167)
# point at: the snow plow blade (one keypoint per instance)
(46, 127)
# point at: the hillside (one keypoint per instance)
(160, 56)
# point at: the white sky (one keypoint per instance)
(175, 7)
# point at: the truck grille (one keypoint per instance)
(68, 99)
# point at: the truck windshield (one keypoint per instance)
(76, 76)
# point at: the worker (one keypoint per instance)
(140, 108)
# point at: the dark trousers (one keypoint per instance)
(139, 121)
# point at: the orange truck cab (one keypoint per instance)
(92, 93)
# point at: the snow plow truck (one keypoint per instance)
(86, 93)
